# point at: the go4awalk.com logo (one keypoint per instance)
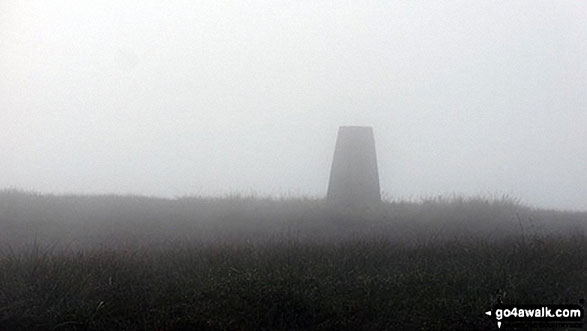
(547, 315)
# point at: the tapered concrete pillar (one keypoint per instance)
(354, 179)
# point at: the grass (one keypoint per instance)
(137, 263)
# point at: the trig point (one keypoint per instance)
(354, 179)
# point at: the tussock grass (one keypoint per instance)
(139, 263)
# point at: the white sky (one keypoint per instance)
(211, 97)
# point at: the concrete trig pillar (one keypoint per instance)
(354, 179)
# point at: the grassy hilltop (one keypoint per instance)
(237, 263)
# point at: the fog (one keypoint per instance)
(173, 98)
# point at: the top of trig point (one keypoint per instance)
(355, 127)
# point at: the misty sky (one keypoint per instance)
(171, 98)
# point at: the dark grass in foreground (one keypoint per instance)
(196, 264)
(293, 286)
